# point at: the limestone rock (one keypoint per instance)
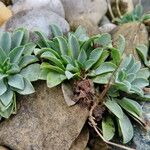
(51, 5)
(43, 121)
(85, 12)
(81, 142)
(134, 33)
(37, 19)
(5, 13)
(107, 28)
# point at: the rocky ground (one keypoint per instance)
(44, 121)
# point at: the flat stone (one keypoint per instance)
(135, 33)
(43, 121)
(37, 19)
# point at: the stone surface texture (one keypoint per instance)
(43, 122)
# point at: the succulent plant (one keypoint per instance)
(136, 15)
(18, 68)
(78, 57)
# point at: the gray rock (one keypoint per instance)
(104, 21)
(80, 11)
(37, 19)
(43, 122)
(107, 28)
(51, 5)
(142, 138)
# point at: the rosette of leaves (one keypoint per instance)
(79, 57)
(18, 68)
(76, 56)
(136, 15)
(128, 87)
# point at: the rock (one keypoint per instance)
(43, 121)
(84, 12)
(122, 7)
(135, 33)
(107, 28)
(141, 138)
(51, 5)
(32, 21)
(81, 142)
(5, 13)
(3, 148)
(104, 21)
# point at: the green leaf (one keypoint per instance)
(7, 97)
(130, 106)
(115, 54)
(14, 69)
(82, 56)
(89, 63)
(114, 108)
(103, 57)
(108, 128)
(104, 40)
(28, 48)
(42, 38)
(56, 31)
(3, 87)
(17, 38)
(140, 82)
(28, 88)
(26, 60)
(70, 67)
(138, 11)
(96, 54)
(43, 74)
(142, 50)
(45, 65)
(31, 72)
(81, 34)
(102, 79)
(54, 79)
(73, 46)
(2, 56)
(5, 42)
(105, 67)
(16, 81)
(121, 44)
(126, 128)
(16, 54)
(69, 75)
(131, 77)
(143, 73)
(135, 68)
(6, 114)
(62, 45)
(137, 90)
(50, 56)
